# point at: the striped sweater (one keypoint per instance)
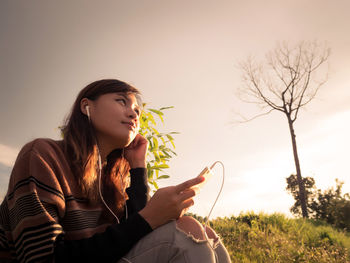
(44, 219)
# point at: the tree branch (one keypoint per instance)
(256, 116)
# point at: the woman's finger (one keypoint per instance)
(186, 204)
(188, 184)
(188, 193)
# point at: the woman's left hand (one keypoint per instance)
(136, 151)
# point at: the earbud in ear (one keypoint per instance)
(87, 111)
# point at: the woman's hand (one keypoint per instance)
(170, 203)
(136, 151)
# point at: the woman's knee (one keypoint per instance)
(189, 225)
(211, 233)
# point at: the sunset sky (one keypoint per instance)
(183, 54)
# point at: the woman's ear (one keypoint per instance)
(84, 106)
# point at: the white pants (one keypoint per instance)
(170, 244)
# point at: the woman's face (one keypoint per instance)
(115, 117)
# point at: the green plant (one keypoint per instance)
(161, 145)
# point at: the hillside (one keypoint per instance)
(276, 238)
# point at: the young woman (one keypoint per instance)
(85, 198)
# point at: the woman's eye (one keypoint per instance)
(122, 101)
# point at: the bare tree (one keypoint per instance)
(286, 82)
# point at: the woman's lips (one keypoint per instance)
(130, 125)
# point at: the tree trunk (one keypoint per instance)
(302, 193)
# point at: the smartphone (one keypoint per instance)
(206, 173)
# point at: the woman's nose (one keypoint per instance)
(132, 113)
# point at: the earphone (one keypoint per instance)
(87, 111)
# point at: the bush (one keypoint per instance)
(330, 205)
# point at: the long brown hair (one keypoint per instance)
(80, 146)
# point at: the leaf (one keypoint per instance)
(160, 166)
(172, 143)
(150, 173)
(164, 176)
(155, 131)
(166, 154)
(161, 118)
(150, 117)
(144, 124)
(155, 184)
(165, 108)
(173, 152)
(156, 156)
(155, 142)
(161, 147)
(156, 111)
(170, 137)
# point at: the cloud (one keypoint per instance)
(5, 172)
(8, 155)
(7, 159)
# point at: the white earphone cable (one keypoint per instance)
(211, 210)
(221, 187)
(100, 175)
(99, 186)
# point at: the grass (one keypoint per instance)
(275, 238)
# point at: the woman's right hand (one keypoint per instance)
(170, 202)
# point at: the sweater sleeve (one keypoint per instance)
(138, 192)
(31, 208)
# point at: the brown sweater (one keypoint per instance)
(44, 217)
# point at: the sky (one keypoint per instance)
(183, 54)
